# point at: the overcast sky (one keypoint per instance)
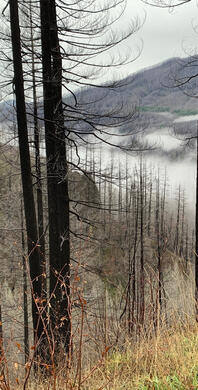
(165, 33)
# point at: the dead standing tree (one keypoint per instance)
(69, 48)
(26, 174)
(57, 178)
(184, 81)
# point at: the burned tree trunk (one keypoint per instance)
(57, 176)
(25, 292)
(39, 190)
(29, 205)
(63, 285)
(142, 275)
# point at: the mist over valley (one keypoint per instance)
(163, 119)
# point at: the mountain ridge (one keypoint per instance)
(152, 91)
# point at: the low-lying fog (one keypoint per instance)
(179, 167)
(163, 139)
(179, 171)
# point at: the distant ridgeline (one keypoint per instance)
(155, 94)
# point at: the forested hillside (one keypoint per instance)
(152, 92)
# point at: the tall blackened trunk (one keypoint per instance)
(159, 254)
(120, 194)
(142, 276)
(150, 205)
(39, 190)
(186, 247)
(25, 292)
(135, 301)
(57, 176)
(29, 206)
(178, 223)
(63, 286)
(162, 222)
(181, 249)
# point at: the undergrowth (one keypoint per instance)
(168, 360)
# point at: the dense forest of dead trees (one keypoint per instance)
(96, 233)
(126, 238)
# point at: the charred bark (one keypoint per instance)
(57, 177)
(29, 205)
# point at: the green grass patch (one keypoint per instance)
(185, 112)
(153, 109)
(168, 362)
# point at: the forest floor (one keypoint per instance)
(167, 361)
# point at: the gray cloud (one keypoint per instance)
(165, 33)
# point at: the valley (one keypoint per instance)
(132, 207)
